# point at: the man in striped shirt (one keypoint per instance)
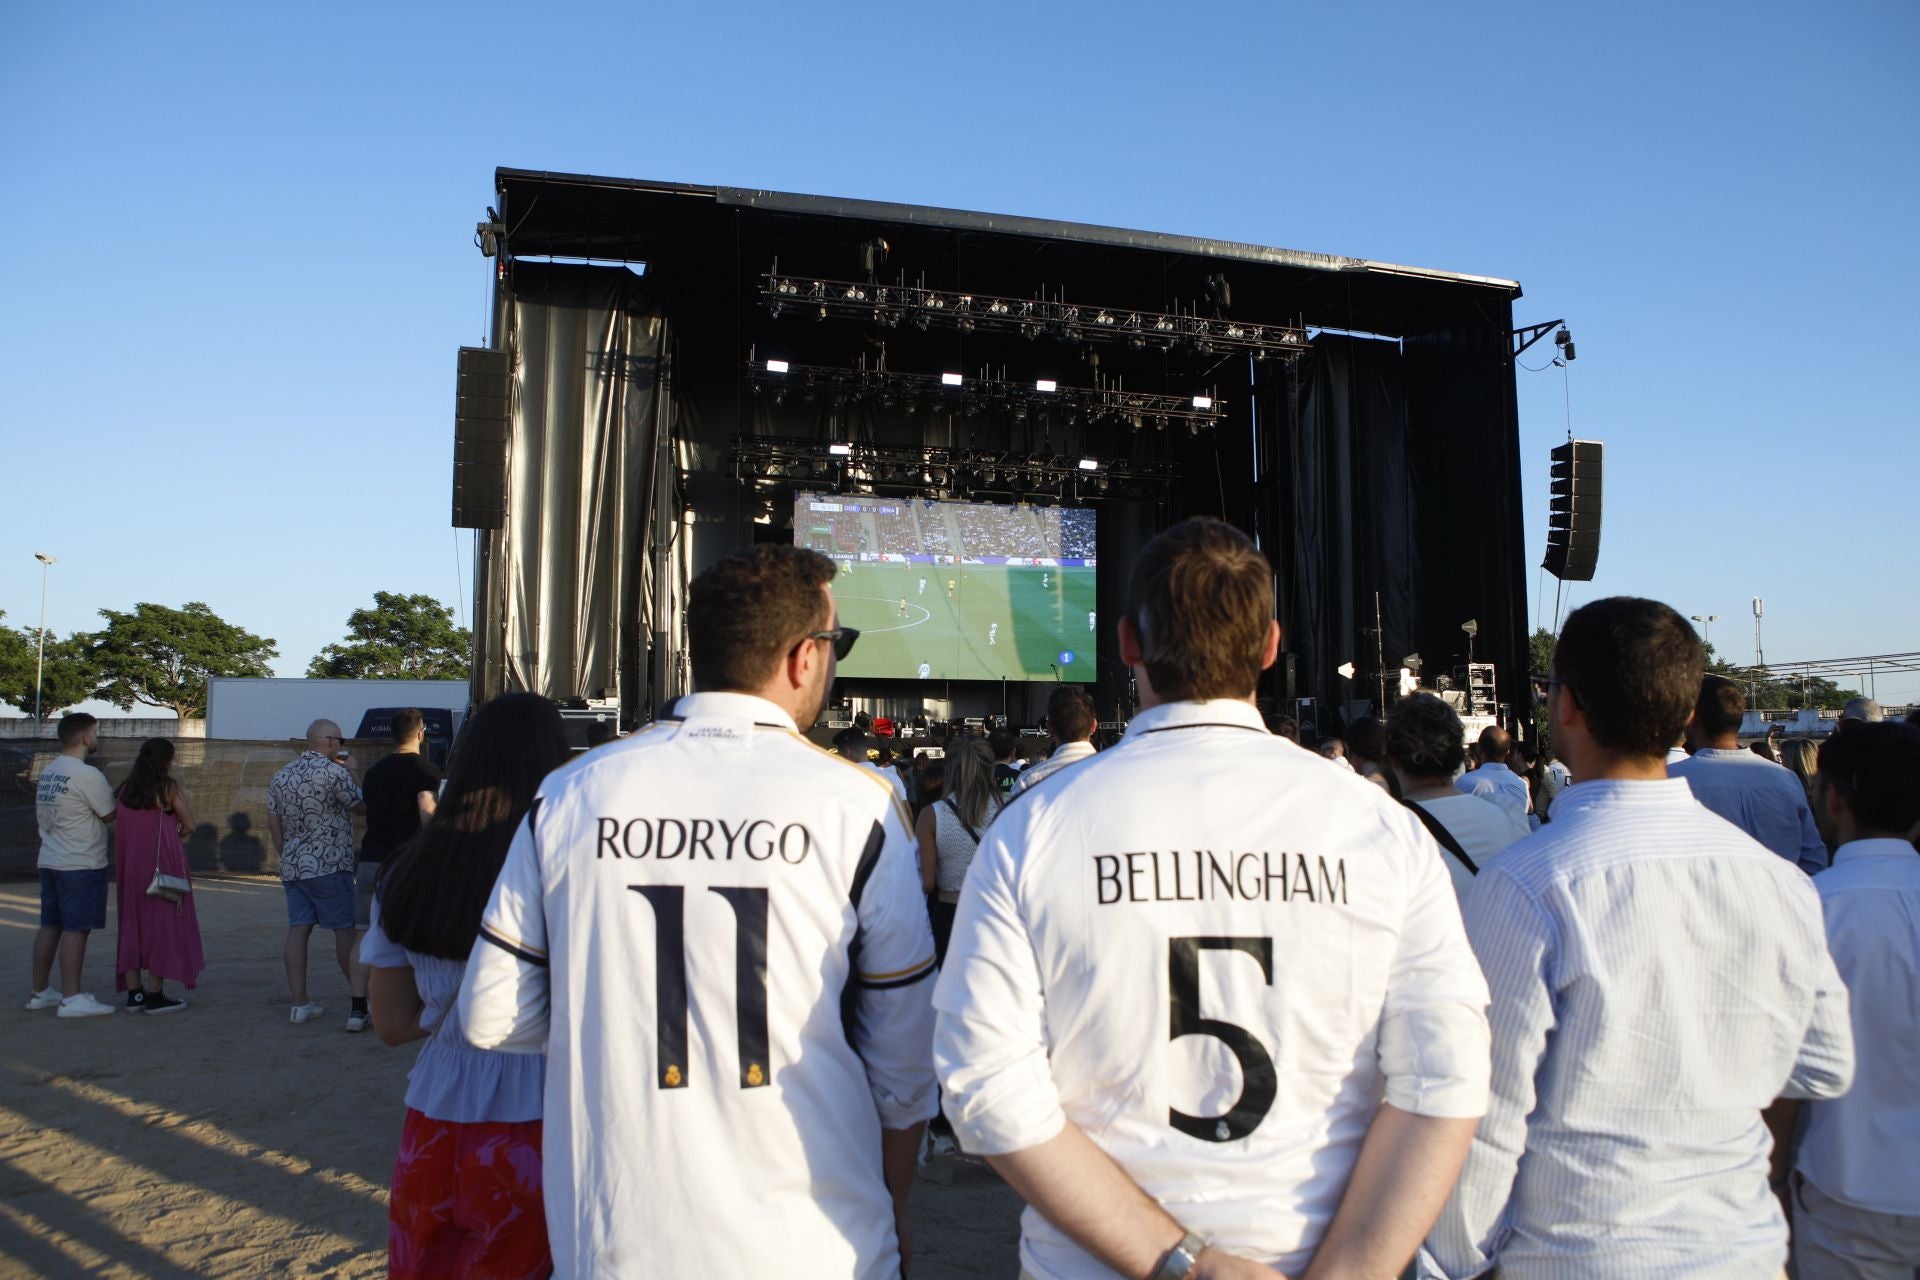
(1658, 979)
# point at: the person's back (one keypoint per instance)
(696, 899)
(1492, 779)
(1760, 797)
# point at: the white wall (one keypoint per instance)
(273, 709)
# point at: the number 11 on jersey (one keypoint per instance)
(670, 981)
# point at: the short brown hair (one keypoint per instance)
(406, 722)
(1201, 595)
(1720, 707)
(744, 612)
(1070, 715)
(1634, 668)
(1876, 766)
(74, 726)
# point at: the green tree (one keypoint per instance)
(400, 638)
(163, 657)
(1540, 663)
(68, 677)
(1769, 692)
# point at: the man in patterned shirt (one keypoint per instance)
(310, 808)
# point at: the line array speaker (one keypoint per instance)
(482, 410)
(1573, 523)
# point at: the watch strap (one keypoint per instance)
(1181, 1258)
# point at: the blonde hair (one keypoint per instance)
(1802, 755)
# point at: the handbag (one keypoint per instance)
(169, 887)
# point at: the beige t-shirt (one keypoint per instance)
(72, 802)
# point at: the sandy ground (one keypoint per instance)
(223, 1141)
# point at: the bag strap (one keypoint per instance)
(964, 825)
(1440, 833)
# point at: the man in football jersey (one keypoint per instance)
(716, 933)
(1185, 975)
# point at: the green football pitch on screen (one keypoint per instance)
(968, 621)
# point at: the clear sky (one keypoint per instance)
(240, 249)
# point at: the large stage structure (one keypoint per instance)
(668, 364)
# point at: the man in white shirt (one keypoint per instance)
(1425, 744)
(716, 932)
(1658, 978)
(1493, 780)
(1762, 798)
(1070, 723)
(851, 744)
(1206, 1000)
(72, 804)
(1856, 1185)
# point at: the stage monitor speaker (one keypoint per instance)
(482, 409)
(1573, 522)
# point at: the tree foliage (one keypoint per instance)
(1768, 692)
(69, 675)
(402, 637)
(163, 657)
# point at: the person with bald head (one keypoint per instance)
(310, 808)
(1493, 780)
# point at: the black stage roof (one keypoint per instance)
(629, 220)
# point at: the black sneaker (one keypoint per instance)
(161, 1002)
(136, 1001)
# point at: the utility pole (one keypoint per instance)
(1759, 654)
(40, 660)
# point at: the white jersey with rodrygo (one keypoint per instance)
(1216, 956)
(676, 925)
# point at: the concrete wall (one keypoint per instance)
(226, 785)
(22, 727)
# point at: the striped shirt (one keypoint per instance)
(1658, 978)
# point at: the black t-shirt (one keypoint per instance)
(1004, 776)
(392, 789)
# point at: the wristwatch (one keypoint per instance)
(1180, 1259)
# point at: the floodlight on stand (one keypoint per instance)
(840, 450)
(950, 379)
(1089, 464)
(1203, 402)
(1046, 384)
(776, 366)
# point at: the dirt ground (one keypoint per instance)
(223, 1141)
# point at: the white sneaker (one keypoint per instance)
(48, 999)
(302, 1012)
(82, 1006)
(357, 1021)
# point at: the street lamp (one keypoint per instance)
(40, 661)
(1706, 626)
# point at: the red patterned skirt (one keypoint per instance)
(466, 1202)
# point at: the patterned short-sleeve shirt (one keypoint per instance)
(313, 797)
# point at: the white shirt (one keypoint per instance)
(1763, 799)
(893, 779)
(1863, 1148)
(1499, 784)
(675, 924)
(1482, 827)
(71, 801)
(1063, 755)
(1295, 924)
(1658, 978)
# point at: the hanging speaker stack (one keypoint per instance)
(1573, 526)
(480, 417)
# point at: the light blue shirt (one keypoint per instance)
(1499, 784)
(451, 1080)
(1763, 799)
(1658, 978)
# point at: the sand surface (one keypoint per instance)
(222, 1141)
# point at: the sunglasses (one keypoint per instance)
(842, 639)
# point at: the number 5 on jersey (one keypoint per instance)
(670, 982)
(1258, 1083)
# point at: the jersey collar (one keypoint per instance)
(738, 706)
(1227, 713)
(1873, 847)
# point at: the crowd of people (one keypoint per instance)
(710, 999)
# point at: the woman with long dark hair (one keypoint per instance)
(159, 934)
(466, 1185)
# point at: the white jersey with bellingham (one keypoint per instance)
(675, 926)
(1214, 953)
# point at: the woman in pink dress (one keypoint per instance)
(158, 939)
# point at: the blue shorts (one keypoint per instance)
(75, 901)
(323, 900)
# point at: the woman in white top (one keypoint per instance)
(949, 831)
(1426, 745)
(466, 1192)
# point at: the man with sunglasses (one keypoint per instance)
(716, 933)
(310, 808)
(1658, 977)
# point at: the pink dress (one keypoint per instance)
(156, 935)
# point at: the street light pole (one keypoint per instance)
(1706, 626)
(40, 660)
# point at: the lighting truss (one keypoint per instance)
(932, 471)
(974, 395)
(889, 305)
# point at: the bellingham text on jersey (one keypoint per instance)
(714, 839)
(1201, 875)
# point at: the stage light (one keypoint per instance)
(1102, 318)
(776, 366)
(950, 379)
(1203, 402)
(1089, 464)
(1164, 325)
(840, 450)
(1046, 384)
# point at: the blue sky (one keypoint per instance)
(241, 250)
